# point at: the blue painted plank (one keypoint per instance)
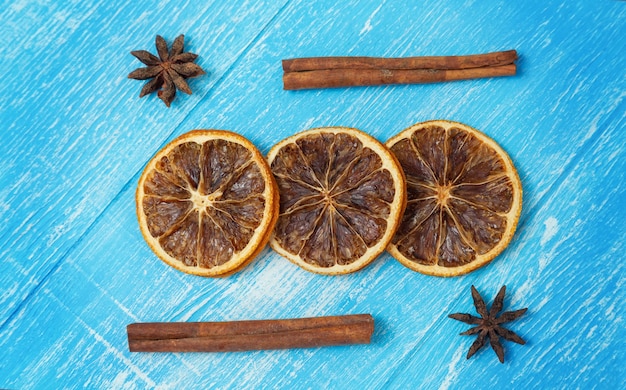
(571, 224)
(42, 347)
(90, 297)
(79, 133)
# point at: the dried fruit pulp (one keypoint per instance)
(341, 197)
(464, 198)
(207, 202)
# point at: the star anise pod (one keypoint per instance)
(489, 324)
(168, 71)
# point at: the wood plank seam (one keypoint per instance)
(135, 177)
(582, 151)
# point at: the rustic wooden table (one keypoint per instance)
(75, 270)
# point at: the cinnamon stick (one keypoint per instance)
(432, 62)
(333, 78)
(250, 335)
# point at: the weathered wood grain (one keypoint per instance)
(76, 271)
(76, 130)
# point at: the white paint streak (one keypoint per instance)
(190, 312)
(108, 346)
(368, 23)
(610, 312)
(453, 372)
(104, 292)
(551, 229)
(17, 6)
(119, 380)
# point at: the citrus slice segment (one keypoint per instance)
(207, 202)
(464, 198)
(342, 194)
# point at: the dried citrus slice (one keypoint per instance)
(207, 202)
(464, 198)
(342, 194)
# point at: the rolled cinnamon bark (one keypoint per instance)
(426, 62)
(333, 78)
(250, 335)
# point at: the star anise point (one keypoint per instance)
(489, 324)
(168, 71)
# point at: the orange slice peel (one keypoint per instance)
(207, 202)
(342, 194)
(464, 198)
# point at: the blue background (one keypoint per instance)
(74, 269)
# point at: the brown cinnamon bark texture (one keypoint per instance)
(332, 72)
(250, 335)
(433, 62)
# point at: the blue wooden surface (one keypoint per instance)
(74, 269)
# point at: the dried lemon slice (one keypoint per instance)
(464, 198)
(342, 194)
(207, 202)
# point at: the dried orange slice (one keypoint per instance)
(207, 202)
(342, 194)
(464, 198)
